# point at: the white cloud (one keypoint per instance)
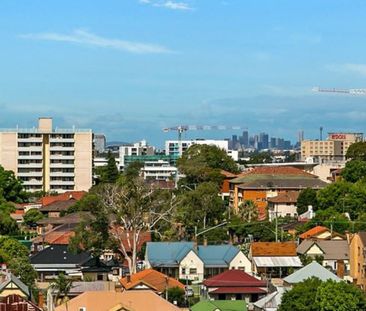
(168, 4)
(80, 36)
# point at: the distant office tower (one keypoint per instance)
(263, 140)
(234, 142)
(99, 143)
(245, 138)
(252, 141)
(49, 159)
(273, 143)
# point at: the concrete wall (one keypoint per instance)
(83, 161)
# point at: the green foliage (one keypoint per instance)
(248, 211)
(203, 163)
(201, 208)
(354, 171)
(301, 296)
(330, 195)
(357, 151)
(62, 286)
(8, 225)
(16, 256)
(133, 169)
(32, 216)
(11, 189)
(306, 197)
(88, 203)
(263, 231)
(176, 294)
(305, 259)
(314, 295)
(259, 158)
(109, 173)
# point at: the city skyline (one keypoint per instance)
(130, 68)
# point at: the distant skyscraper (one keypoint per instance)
(245, 139)
(263, 139)
(273, 143)
(99, 143)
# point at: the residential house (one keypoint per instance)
(225, 186)
(273, 258)
(283, 205)
(271, 302)
(220, 305)
(11, 285)
(261, 183)
(234, 285)
(321, 233)
(68, 195)
(335, 254)
(150, 279)
(17, 303)
(54, 209)
(132, 300)
(357, 254)
(185, 261)
(313, 269)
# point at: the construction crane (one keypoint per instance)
(357, 92)
(184, 128)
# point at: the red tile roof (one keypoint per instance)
(233, 278)
(278, 170)
(227, 174)
(151, 278)
(313, 231)
(239, 290)
(77, 195)
(266, 249)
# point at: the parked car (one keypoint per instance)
(189, 291)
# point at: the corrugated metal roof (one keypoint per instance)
(283, 261)
(311, 270)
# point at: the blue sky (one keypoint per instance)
(128, 68)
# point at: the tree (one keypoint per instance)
(200, 208)
(306, 197)
(248, 211)
(201, 163)
(109, 173)
(133, 169)
(11, 188)
(133, 208)
(301, 296)
(8, 226)
(62, 287)
(354, 171)
(176, 295)
(22, 268)
(357, 151)
(32, 216)
(330, 195)
(260, 158)
(315, 295)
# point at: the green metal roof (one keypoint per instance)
(220, 305)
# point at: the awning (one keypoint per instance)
(269, 262)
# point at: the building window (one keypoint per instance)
(192, 271)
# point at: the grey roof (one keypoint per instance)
(59, 255)
(11, 278)
(287, 183)
(217, 255)
(332, 249)
(311, 270)
(167, 253)
(277, 261)
(81, 287)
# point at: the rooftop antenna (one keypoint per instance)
(321, 133)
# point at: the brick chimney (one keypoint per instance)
(340, 269)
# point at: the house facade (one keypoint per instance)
(357, 254)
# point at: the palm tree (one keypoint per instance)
(62, 287)
(248, 211)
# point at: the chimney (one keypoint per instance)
(41, 301)
(340, 269)
(128, 276)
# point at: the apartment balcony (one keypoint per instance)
(62, 165)
(62, 148)
(62, 174)
(62, 140)
(30, 140)
(30, 165)
(30, 174)
(62, 183)
(30, 157)
(61, 157)
(30, 148)
(32, 182)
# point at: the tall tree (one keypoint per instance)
(357, 151)
(306, 197)
(61, 287)
(248, 211)
(109, 173)
(354, 171)
(201, 163)
(32, 216)
(133, 209)
(8, 225)
(11, 188)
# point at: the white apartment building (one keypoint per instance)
(137, 149)
(159, 170)
(172, 146)
(48, 159)
(334, 148)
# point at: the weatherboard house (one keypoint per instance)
(185, 261)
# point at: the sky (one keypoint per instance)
(128, 68)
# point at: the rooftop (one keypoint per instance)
(234, 278)
(313, 232)
(288, 197)
(331, 249)
(273, 249)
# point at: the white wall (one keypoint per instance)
(239, 261)
(191, 261)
